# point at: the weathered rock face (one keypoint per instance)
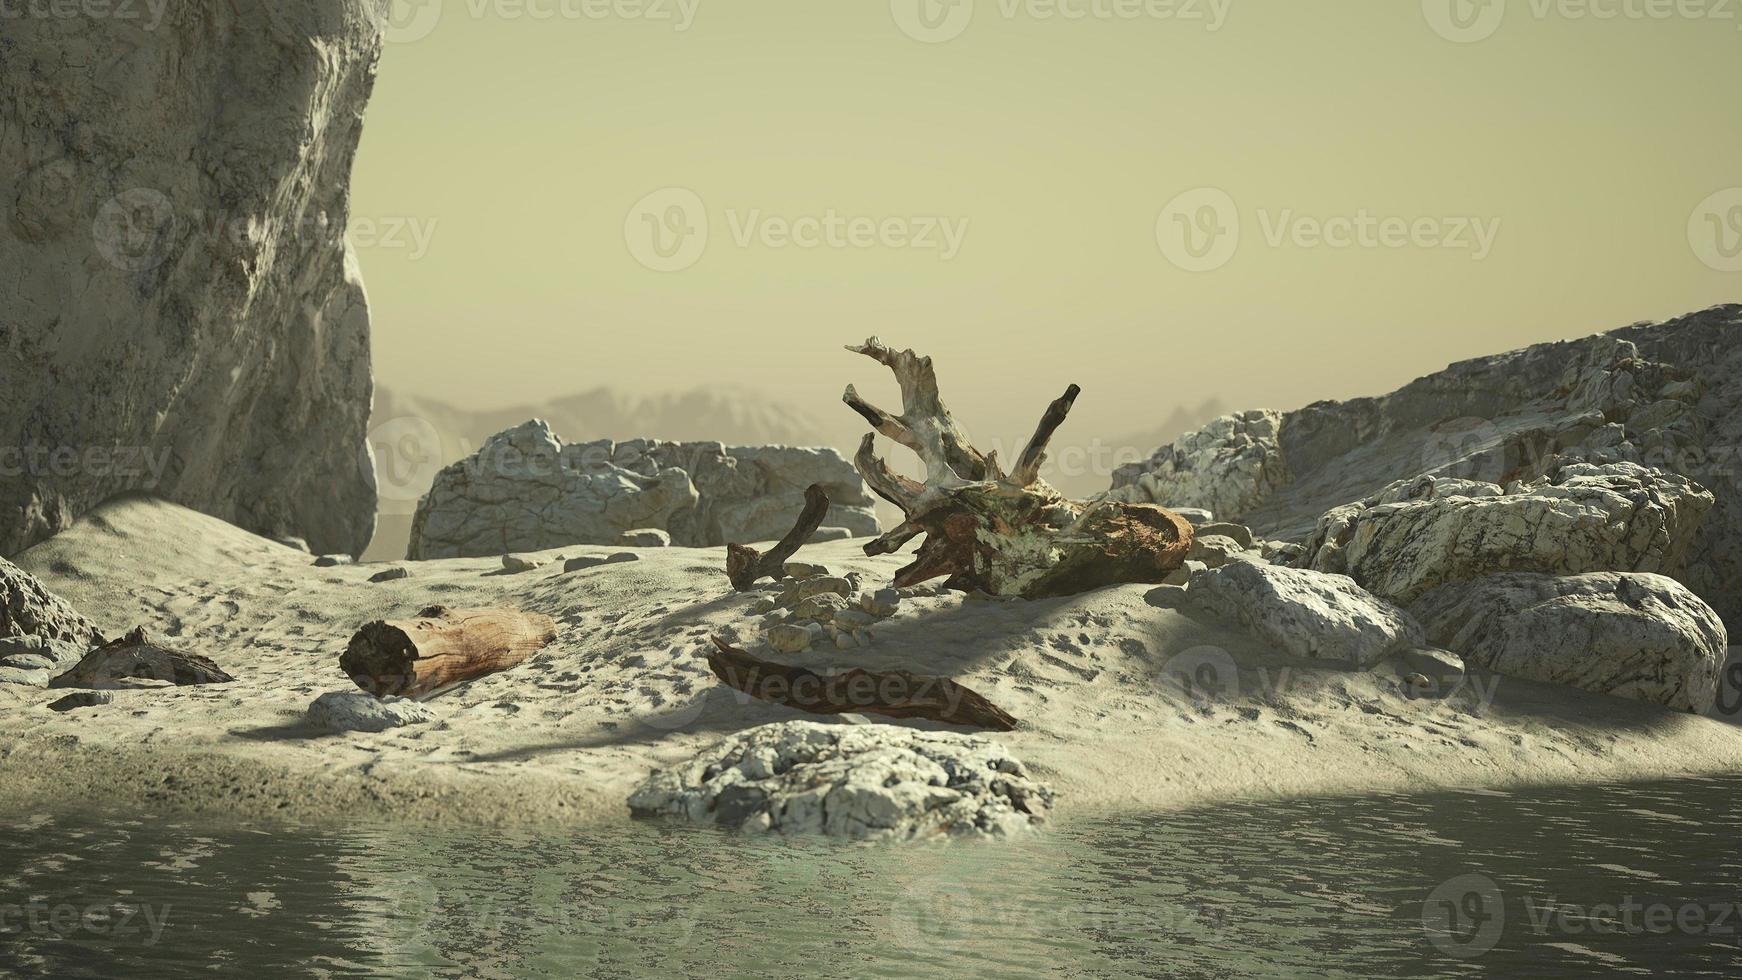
(1636, 636)
(1418, 534)
(1665, 395)
(859, 781)
(1304, 613)
(27, 609)
(1227, 468)
(180, 313)
(527, 491)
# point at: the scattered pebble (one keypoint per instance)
(391, 574)
(333, 561)
(645, 537)
(520, 563)
(82, 699)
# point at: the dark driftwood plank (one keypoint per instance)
(895, 694)
(140, 655)
(442, 646)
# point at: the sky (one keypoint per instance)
(1268, 202)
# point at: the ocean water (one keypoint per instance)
(1642, 878)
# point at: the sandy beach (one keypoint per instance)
(565, 737)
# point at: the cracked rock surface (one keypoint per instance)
(1419, 534)
(857, 781)
(1227, 468)
(525, 490)
(180, 313)
(29, 610)
(1639, 636)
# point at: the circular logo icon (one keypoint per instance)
(1464, 21)
(407, 456)
(667, 231)
(134, 229)
(1203, 674)
(1464, 916)
(1199, 230)
(411, 20)
(932, 21)
(1728, 705)
(1460, 447)
(1715, 230)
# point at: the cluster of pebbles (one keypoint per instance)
(811, 606)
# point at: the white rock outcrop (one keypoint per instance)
(1303, 613)
(525, 490)
(1639, 636)
(857, 781)
(1416, 535)
(1228, 467)
(181, 315)
(358, 711)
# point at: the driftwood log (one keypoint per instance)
(442, 646)
(745, 565)
(1002, 534)
(895, 694)
(140, 655)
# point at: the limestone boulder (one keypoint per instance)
(181, 315)
(526, 490)
(1632, 635)
(855, 781)
(31, 615)
(1226, 468)
(1303, 613)
(358, 711)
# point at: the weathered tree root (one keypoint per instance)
(140, 655)
(1005, 535)
(744, 564)
(896, 694)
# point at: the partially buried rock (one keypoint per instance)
(82, 699)
(357, 711)
(514, 564)
(140, 655)
(645, 537)
(792, 637)
(391, 574)
(334, 561)
(585, 562)
(1305, 613)
(856, 781)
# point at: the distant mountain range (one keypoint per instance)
(414, 436)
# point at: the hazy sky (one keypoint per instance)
(1035, 199)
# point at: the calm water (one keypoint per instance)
(1644, 878)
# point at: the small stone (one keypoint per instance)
(1196, 515)
(358, 711)
(844, 641)
(23, 678)
(82, 699)
(1239, 532)
(883, 603)
(821, 607)
(790, 638)
(645, 537)
(1182, 575)
(853, 618)
(334, 561)
(816, 586)
(391, 574)
(862, 637)
(800, 570)
(520, 563)
(582, 563)
(621, 557)
(28, 661)
(1418, 687)
(823, 534)
(761, 607)
(1215, 550)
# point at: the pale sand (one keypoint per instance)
(566, 736)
